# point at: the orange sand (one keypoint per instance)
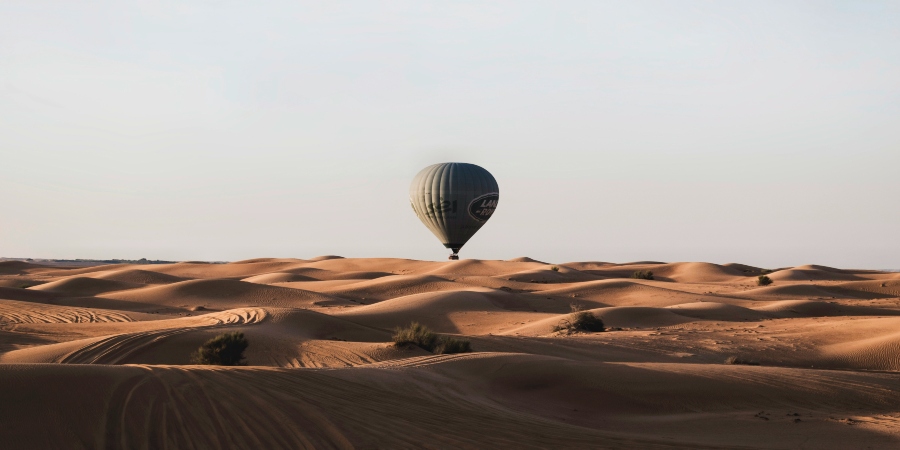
(99, 356)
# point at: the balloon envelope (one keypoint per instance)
(454, 200)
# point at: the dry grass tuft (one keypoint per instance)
(642, 275)
(415, 334)
(420, 336)
(731, 360)
(580, 321)
(450, 345)
(223, 350)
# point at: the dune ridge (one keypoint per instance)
(816, 352)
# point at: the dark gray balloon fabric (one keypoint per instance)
(454, 200)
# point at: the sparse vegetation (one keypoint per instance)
(764, 280)
(738, 360)
(554, 268)
(449, 345)
(420, 336)
(415, 334)
(223, 350)
(642, 275)
(580, 321)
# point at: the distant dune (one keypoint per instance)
(84, 286)
(106, 348)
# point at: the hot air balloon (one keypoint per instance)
(454, 200)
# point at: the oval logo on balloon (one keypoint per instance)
(483, 207)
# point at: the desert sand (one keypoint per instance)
(99, 357)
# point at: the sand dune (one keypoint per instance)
(129, 338)
(548, 275)
(232, 270)
(646, 317)
(137, 276)
(695, 272)
(69, 271)
(323, 372)
(505, 284)
(683, 272)
(468, 267)
(391, 265)
(871, 274)
(809, 308)
(615, 316)
(814, 273)
(223, 294)
(19, 282)
(590, 265)
(813, 291)
(27, 295)
(628, 293)
(390, 287)
(84, 286)
(268, 260)
(717, 311)
(12, 312)
(475, 311)
(890, 287)
(313, 273)
(873, 353)
(324, 258)
(525, 259)
(526, 402)
(743, 268)
(277, 277)
(18, 267)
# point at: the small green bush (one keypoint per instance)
(763, 280)
(415, 334)
(642, 275)
(223, 350)
(451, 345)
(554, 268)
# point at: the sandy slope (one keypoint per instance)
(222, 294)
(99, 356)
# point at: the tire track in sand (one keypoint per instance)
(16, 312)
(115, 348)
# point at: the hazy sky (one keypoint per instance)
(759, 132)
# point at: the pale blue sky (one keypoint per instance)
(758, 132)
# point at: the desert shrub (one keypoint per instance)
(580, 321)
(554, 268)
(420, 336)
(763, 280)
(585, 321)
(642, 275)
(223, 350)
(449, 345)
(739, 360)
(415, 334)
